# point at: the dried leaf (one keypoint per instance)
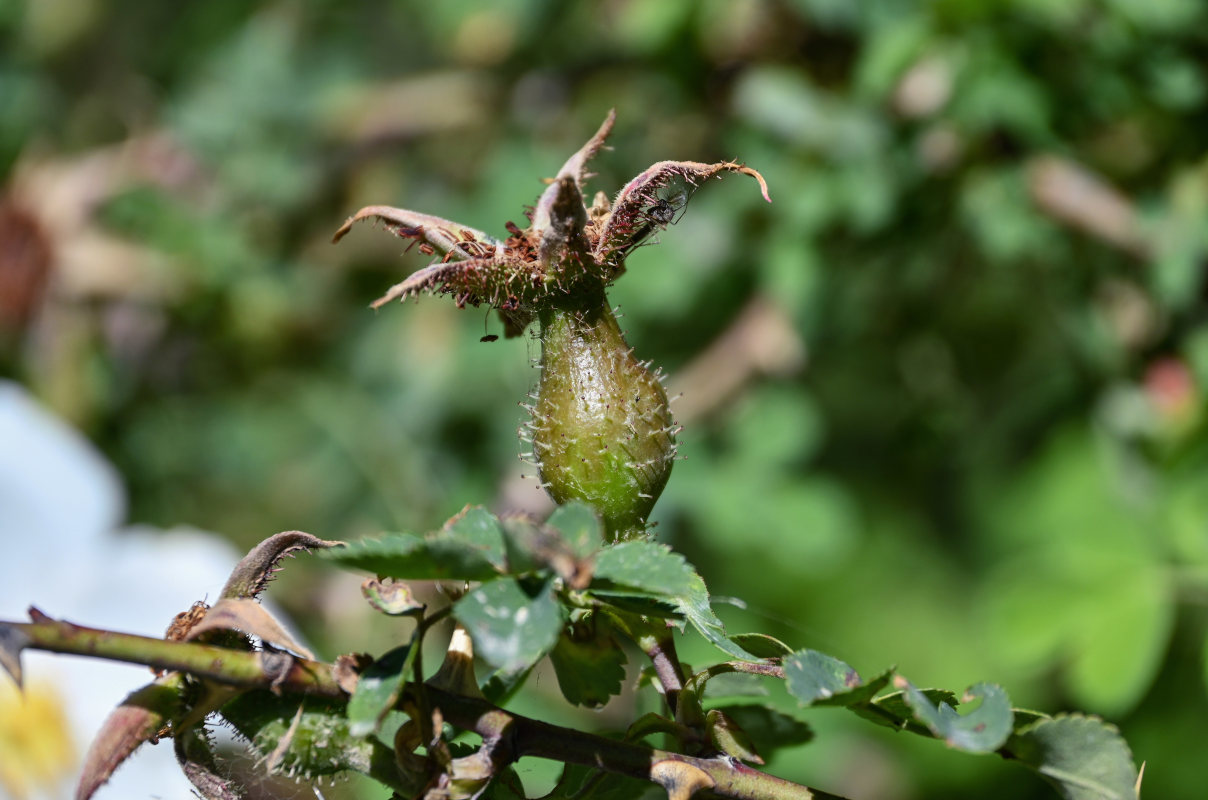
(348, 668)
(391, 597)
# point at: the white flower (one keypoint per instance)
(61, 549)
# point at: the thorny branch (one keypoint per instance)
(681, 775)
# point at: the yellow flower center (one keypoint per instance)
(37, 753)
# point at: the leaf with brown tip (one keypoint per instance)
(140, 718)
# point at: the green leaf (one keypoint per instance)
(501, 685)
(1084, 757)
(982, 730)
(768, 728)
(695, 606)
(892, 711)
(378, 690)
(762, 645)
(409, 557)
(818, 679)
(648, 567)
(580, 527)
(510, 629)
(727, 736)
(590, 668)
(480, 528)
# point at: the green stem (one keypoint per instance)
(518, 736)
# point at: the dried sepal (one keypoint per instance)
(452, 240)
(631, 208)
(247, 616)
(564, 250)
(142, 717)
(251, 575)
(576, 166)
(498, 280)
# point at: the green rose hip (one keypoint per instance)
(601, 428)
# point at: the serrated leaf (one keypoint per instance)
(478, 527)
(580, 527)
(982, 730)
(891, 710)
(648, 567)
(695, 606)
(762, 645)
(510, 629)
(1084, 757)
(590, 669)
(768, 728)
(500, 685)
(533, 547)
(378, 690)
(815, 678)
(405, 556)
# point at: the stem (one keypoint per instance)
(280, 672)
(517, 736)
(660, 649)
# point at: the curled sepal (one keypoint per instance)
(563, 251)
(576, 166)
(140, 718)
(631, 212)
(452, 240)
(247, 616)
(502, 281)
(252, 574)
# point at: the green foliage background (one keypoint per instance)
(992, 463)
